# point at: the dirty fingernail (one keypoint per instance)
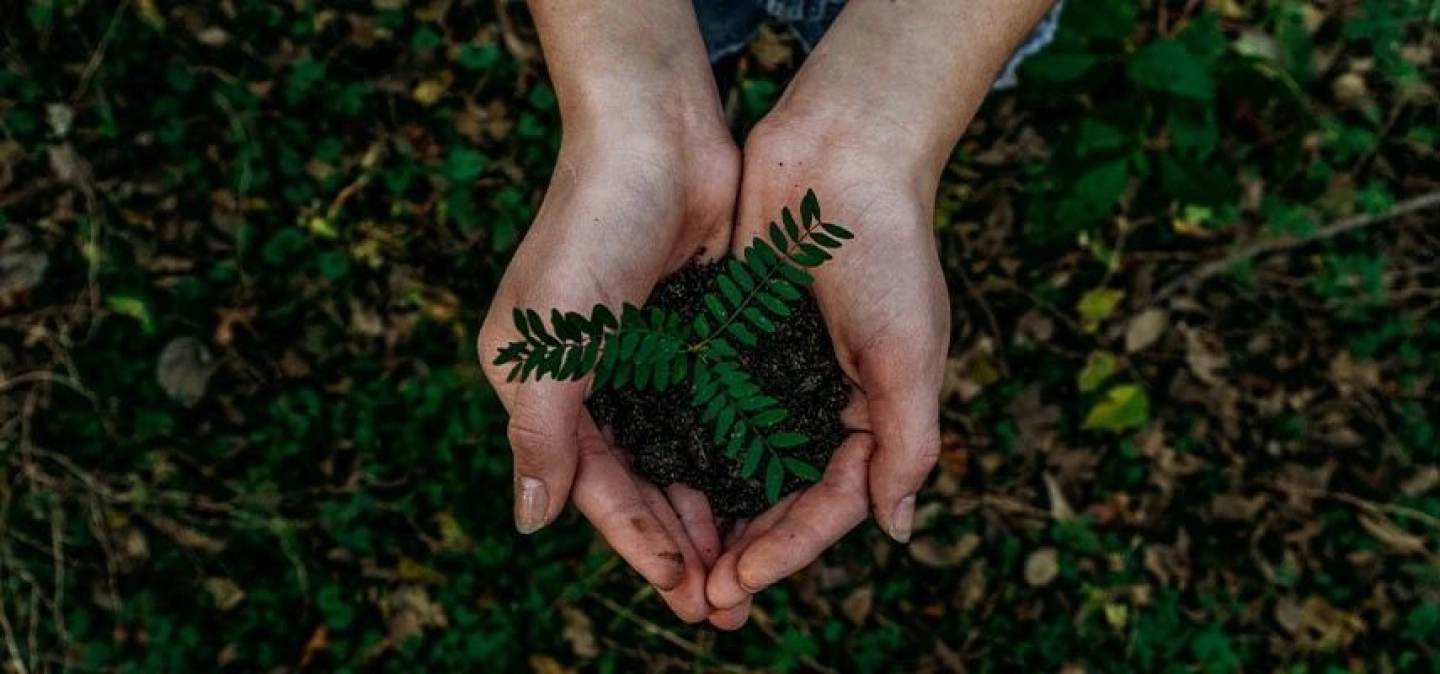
(903, 519)
(530, 506)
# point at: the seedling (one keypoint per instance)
(659, 349)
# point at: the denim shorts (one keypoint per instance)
(730, 25)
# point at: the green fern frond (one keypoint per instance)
(656, 349)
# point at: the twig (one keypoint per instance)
(1342, 226)
(97, 56)
(650, 627)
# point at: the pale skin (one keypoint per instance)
(868, 123)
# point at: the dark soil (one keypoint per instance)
(669, 443)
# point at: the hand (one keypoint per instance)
(626, 206)
(885, 304)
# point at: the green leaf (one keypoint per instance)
(740, 332)
(464, 165)
(758, 403)
(649, 343)
(837, 231)
(701, 326)
(722, 349)
(777, 237)
(795, 275)
(770, 417)
(712, 409)
(537, 327)
(824, 240)
(732, 293)
(791, 229)
(766, 254)
(784, 289)
(1098, 367)
(716, 308)
(816, 251)
(801, 469)
(732, 449)
(571, 364)
(661, 375)
(603, 317)
(643, 370)
(629, 342)
(722, 425)
(1098, 305)
(774, 304)
(753, 454)
(774, 479)
(563, 329)
(514, 372)
(787, 440)
(1125, 407)
(1167, 66)
(809, 208)
(510, 353)
(757, 319)
(678, 368)
(740, 274)
(590, 356)
(520, 323)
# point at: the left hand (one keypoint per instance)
(885, 305)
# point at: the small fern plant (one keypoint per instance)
(659, 349)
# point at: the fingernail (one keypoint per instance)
(903, 519)
(531, 506)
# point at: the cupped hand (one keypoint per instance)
(885, 305)
(625, 207)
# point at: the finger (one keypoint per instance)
(731, 619)
(904, 403)
(608, 496)
(822, 514)
(687, 599)
(542, 432)
(698, 521)
(723, 589)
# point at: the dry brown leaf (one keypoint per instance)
(226, 593)
(1145, 329)
(541, 663)
(579, 632)
(1042, 567)
(936, 555)
(1237, 507)
(1059, 508)
(857, 604)
(1393, 536)
(409, 611)
(1205, 361)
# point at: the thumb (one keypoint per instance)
(904, 412)
(543, 437)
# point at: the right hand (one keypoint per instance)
(626, 206)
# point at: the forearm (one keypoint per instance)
(908, 75)
(626, 61)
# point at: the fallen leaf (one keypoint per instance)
(225, 592)
(936, 555)
(1042, 567)
(1392, 536)
(184, 370)
(579, 632)
(1099, 366)
(857, 605)
(1144, 329)
(409, 611)
(22, 263)
(317, 643)
(544, 664)
(1236, 507)
(1059, 508)
(1125, 407)
(1097, 305)
(1205, 362)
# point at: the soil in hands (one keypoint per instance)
(669, 443)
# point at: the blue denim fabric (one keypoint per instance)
(730, 25)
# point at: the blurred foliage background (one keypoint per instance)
(1190, 417)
